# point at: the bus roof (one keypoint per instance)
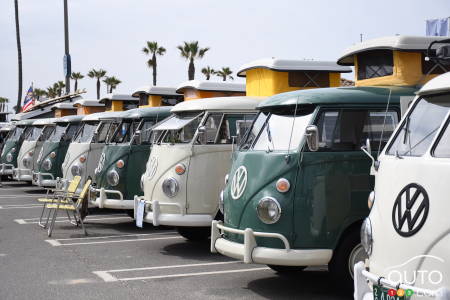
(118, 97)
(149, 112)
(26, 122)
(439, 84)
(156, 90)
(70, 119)
(292, 65)
(397, 42)
(339, 95)
(63, 106)
(87, 102)
(102, 116)
(211, 86)
(220, 103)
(45, 121)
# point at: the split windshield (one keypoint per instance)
(124, 132)
(106, 131)
(86, 132)
(271, 131)
(46, 132)
(180, 129)
(63, 132)
(420, 127)
(34, 134)
(15, 135)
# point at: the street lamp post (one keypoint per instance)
(67, 62)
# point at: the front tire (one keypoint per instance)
(287, 269)
(346, 255)
(195, 233)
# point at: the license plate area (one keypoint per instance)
(381, 293)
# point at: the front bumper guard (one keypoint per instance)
(6, 169)
(363, 291)
(102, 201)
(178, 219)
(22, 174)
(249, 252)
(43, 179)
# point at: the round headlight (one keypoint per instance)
(170, 187)
(268, 210)
(113, 178)
(283, 185)
(47, 164)
(52, 154)
(142, 181)
(76, 170)
(366, 236)
(371, 199)
(221, 202)
(9, 157)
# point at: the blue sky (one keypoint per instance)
(110, 34)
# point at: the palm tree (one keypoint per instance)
(191, 51)
(153, 49)
(3, 102)
(76, 76)
(225, 73)
(208, 71)
(19, 56)
(51, 92)
(38, 93)
(59, 87)
(114, 83)
(99, 74)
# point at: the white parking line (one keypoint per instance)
(23, 221)
(22, 196)
(108, 277)
(17, 206)
(56, 243)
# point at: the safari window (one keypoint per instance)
(234, 125)
(375, 63)
(347, 130)
(420, 127)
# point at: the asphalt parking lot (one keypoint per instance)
(120, 261)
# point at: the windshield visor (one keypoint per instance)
(180, 129)
(277, 131)
(420, 127)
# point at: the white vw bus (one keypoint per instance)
(407, 234)
(189, 160)
(84, 152)
(42, 128)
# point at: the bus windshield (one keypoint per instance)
(180, 129)
(58, 133)
(271, 131)
(106, 131)
(15, 135)
(46, 132)
(124, 132)
(86, 132)
(34, 134)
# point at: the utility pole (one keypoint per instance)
(360, 37)
(19, 57)
(67, 62)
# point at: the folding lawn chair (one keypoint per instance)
(59, 195)
(74, 207)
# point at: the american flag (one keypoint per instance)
(29, 100)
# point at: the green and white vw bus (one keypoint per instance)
(297, 189)
(11, 148)
(42, 128)
(84, 151)
(52, 153)
(123, 159)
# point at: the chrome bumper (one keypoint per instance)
(22, 174)
(364, 280)
(181, 219)
(6, 169)
(102, 200)
(249, 252)
(43, 179)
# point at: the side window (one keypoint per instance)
(348, 129)
(442, 148)
(212, 126)
(234, 125)
(146, 132)
(375, 63)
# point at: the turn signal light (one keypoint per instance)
(30, 153)
(82, 159)
(283, 185)
(120, 164)
(180, 169)
(52, 155)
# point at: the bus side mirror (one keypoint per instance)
(137, 138)
(202, 134)
(312, 137)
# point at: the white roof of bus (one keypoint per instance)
(211, 86)
(292, 65)
(63, 106)
(436, 85)
(220, 103)
(46, 121)
(156, 90)
(397, 42)
(86, 102)
(119, 97)
(101, 115)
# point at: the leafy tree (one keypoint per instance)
(76, 76)
(208, 71)
(225, 73)
(191, 51)
(98, 74)
(153, 49)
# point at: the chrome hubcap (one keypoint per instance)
(358, 254)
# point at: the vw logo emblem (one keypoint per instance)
(152, 166)
(239, 182)
(101, 163)
(410, 210)
(40, 155)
